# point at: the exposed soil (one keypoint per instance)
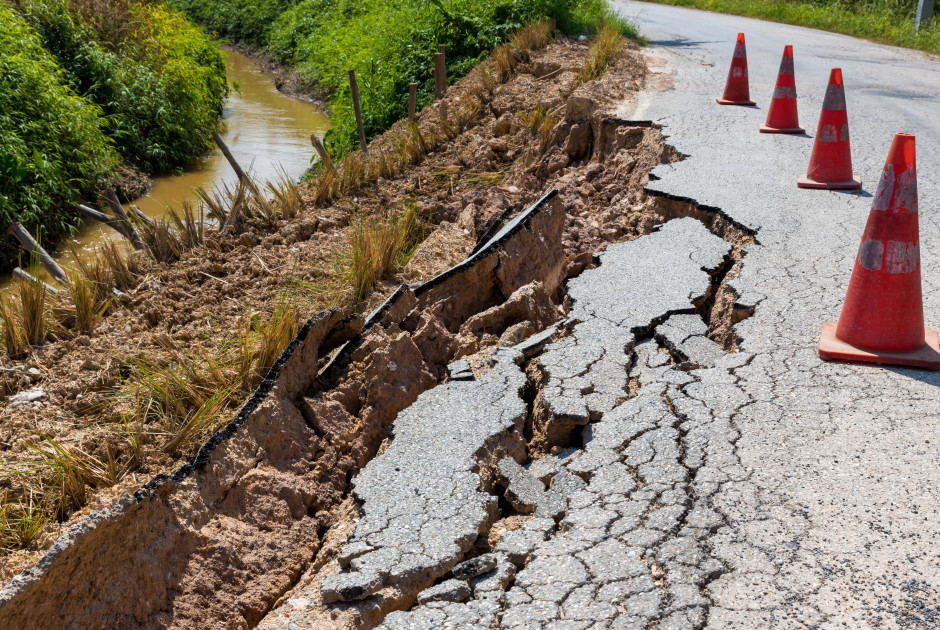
(598, 165)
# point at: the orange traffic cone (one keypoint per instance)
(830, 166)
(782, 116)
(736, 88)
(882, 320)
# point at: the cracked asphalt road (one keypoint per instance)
(697, 488)
(836, 524)
(620, 539)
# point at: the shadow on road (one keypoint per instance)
(681, 42)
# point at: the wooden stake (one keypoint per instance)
(228, 156)
(30, 245)
(440, 76)
(321, 151)
(355, 97)
(412, 100)
(442, 109)
(100, 216)
(118, 210)
(119, 226)
(143, 217)
(242, 176)
(28, 277)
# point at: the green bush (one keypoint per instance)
(407, 35)
(246, 21)
(88, 84)
(52, 146)
(390, 43)
(160, 84)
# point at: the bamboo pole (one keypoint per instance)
(143, 217)
(28, 277)
(117, 224)
(228, 156)
(35, 249)
(111, 197)
(440, 76)
(242, 176)
(321, 151)
(412, 100)
(355, 96)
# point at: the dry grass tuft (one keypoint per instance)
(607, 48)
(327, 186)
(275, 334)
(190, 231)
(32, 314)
(72, 471)
(96, 271)
(468, 112)
(89, 303)
(417, 145)
(534, 36)
(353, 172)
(208, 418)
(123, 271)
(486, 79)
(541, 124)
(375, 246)
(191, 393)
(161, 241)
(14, 337)
(213, 204)
(230, 206)
(286, 195)
(504, 58)
(22, 518)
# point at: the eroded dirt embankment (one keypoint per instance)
(219, 542)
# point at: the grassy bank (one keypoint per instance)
(390, 43)
(887, 21)
(88, 86)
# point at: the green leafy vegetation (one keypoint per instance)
(389, 43)
(158, 79)
(889, 21)
(87, 86)
(52, 145)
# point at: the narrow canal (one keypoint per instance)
(265, 130)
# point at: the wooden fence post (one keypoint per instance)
(355, 96)
(412, 100)
(321, 151)
(440, 76)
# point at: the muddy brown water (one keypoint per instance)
(265, 130)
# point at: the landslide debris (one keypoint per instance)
(265, 509)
